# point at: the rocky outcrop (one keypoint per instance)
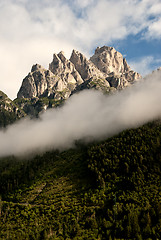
(37, 83)
(114, 66)
(105, 70)
(65, 69)
(85, 67)
(108, 60)
(69, 77)
(57, 82)
(95, 83)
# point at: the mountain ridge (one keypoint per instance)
(64, 76)
(106, 71)
(103, 190)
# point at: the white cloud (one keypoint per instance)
(154, 30)
(33, 30)
(154, 27)
(156, 8)
(25, 41)
(82, 3)
(87, 115)
(145, 65)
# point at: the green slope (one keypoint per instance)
(106, 190)
(34, 106)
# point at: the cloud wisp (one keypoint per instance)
(86, 115)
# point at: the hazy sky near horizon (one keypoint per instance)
(31, 31)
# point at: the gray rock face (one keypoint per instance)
(108, 60)
(61, 76)
(84, 66)
(112, 63)
(106, 69)
(69, 78)
(64, 68)
(37, 83)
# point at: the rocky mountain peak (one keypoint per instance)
(84, 66)
(114, 66)
(37, 82)
(36, 67)
(108, 60)
(65, 69)
(105, 70)
(102, 49)
(56, 64)
(77, 57)
(60, 64)
(62, 57)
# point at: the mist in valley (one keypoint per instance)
(87, 115)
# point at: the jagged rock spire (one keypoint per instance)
(106, 68)
(84, 66)
(112, 63)
(65, 69)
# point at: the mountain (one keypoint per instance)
(115, 67)
(9, 111)
(106, 71)
(104, 190)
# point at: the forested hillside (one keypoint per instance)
(107, 190)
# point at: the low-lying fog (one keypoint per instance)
(86, 115)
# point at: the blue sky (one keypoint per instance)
(31, 31)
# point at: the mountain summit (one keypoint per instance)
(106, 70)
(118, 72)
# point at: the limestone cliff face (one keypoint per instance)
(105, 70)
(85, 67)
(62, 77)
(69, 77)
(65, 69)
(112, 63)
(37, 83)
(108, 60)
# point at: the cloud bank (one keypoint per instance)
(86, 115)
(30, 30)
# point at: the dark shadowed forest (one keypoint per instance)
(104, 190)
